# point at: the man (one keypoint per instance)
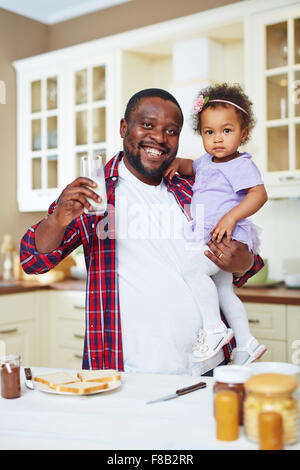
(140, 314)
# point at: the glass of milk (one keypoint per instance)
(92, 167)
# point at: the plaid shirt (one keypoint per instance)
(103, 338)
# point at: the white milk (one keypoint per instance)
(98, 207)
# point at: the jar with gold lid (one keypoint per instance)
(271, 392)
(232, 378)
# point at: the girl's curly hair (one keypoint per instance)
(234, 93)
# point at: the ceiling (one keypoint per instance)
(55, 11)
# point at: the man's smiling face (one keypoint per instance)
(151, 137)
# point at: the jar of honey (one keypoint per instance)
(271, 392)
(232, 378)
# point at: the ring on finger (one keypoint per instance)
(220, 255)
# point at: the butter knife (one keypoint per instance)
(178, 393)
(28, 378)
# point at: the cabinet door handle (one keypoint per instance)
(79, 307)
(10, 330)
(252, 320)
(289, 178)
(78, 335)
(78, 356)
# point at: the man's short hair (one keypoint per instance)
(149, 93)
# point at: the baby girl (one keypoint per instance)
(229, 187)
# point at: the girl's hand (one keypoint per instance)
(172, 169)
(224, 226)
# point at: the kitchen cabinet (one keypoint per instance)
(65, 111)
(267, 320)
(46, 326)
(275, 325)
(274, 83)
(268, 324)
(66, 318)
(278, 327)
(19, 326)
(70, 101)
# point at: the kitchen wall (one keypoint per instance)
(280, 224)
(21, 37)
(131, 15)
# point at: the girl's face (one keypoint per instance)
(221, 132)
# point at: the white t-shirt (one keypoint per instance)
(159, 317)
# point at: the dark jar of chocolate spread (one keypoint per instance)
(10, 376)
(232, 378)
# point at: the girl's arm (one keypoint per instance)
(184, 166)
(255, 198)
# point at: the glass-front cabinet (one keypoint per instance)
(44, 151)
(64, 112)
(277, 93)
(89, 113)
(40, 143)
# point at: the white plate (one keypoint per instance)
(44, 388)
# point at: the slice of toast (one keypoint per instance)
(56, 378)
(106, 375)
(81, 388)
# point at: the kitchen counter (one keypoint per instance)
(272, 295)
(269, 295)
(16, 287)
(119, 419)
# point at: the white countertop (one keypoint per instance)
(118, 419)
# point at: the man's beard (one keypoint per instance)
(136, 162)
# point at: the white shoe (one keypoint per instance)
(203, 351)
(254, 353)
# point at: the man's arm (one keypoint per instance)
(234, 257)
(47, 243)
(34, 262)
(71, 204)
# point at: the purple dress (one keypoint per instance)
(217, 189)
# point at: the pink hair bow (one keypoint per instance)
(200, 103)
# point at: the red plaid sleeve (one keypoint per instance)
(257, 265)
(34, 262)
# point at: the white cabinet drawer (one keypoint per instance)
(17, 307)
(68, 304)
(67, 327)
(67, 358)
(70, 333)
(267, 320)
(276, 350)
(20, 338)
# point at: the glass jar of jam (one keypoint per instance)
(271, 392)
(232, 378)
(10, 376)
